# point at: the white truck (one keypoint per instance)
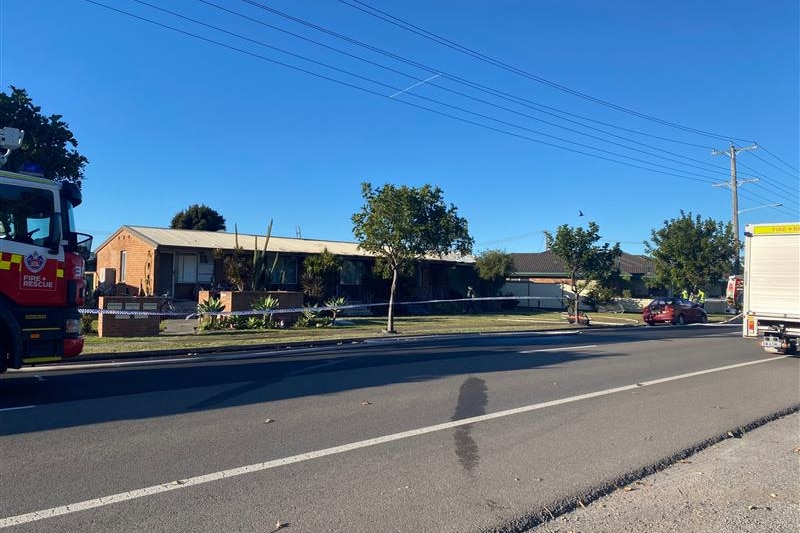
(771, 307)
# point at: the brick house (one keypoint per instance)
(179, 263)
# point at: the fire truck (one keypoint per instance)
(42, 260)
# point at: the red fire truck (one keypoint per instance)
(41, 266)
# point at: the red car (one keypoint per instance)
(673, 310)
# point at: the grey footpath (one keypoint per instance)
(745, 484)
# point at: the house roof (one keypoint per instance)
(547, 264)
(212, 240)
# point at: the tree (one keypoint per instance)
(584, 260)
(691, 253)
(48, 142)
(198, 217)
(493, 267)
(401, 225)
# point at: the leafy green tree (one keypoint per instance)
(402, 225)
(48, 142)
(584, 260)
(198, 217)
(691, 253)
(493, 267)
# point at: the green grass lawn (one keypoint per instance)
(361, 327)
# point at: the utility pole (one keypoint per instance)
(734, 186)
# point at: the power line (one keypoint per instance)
(500, 94)
(453, 91)
(387, 17)
(770, 181)
(779, 159)
(391, 19)
(435, 111)
(775, 166)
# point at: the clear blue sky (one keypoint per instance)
(167, 120)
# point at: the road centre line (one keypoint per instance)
(561, 349)
(258, 467)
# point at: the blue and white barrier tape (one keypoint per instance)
(196, 314)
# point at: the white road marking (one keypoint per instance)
(258, 467)
(560, 349)
(17, 408)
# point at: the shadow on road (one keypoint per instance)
(271, 379)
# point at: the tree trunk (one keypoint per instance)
(390, 324)
(577, 296)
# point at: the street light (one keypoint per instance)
(739, 212)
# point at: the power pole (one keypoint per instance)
(734, 186)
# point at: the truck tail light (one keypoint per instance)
(752, 326)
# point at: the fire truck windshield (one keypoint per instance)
(27, 214)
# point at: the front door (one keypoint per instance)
(164, 273)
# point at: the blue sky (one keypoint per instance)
(167, 120)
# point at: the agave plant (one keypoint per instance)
(335, 305)
(268, 304)
(310, 317)
(209, 312)
(255, 322)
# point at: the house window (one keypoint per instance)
(123, 265)
(187, 268)
(285, 271)
(352, 272)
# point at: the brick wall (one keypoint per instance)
(243, 301)
(126, 325)
(136, 261)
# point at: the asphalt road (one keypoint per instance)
(475, 433)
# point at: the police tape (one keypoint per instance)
(301, 310)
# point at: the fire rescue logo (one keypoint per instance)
(35, 262)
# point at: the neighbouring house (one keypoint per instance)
(541, 278)
(180, 263)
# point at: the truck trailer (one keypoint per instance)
(771, 306)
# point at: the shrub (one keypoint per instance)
(311, 318)
(87, 324)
